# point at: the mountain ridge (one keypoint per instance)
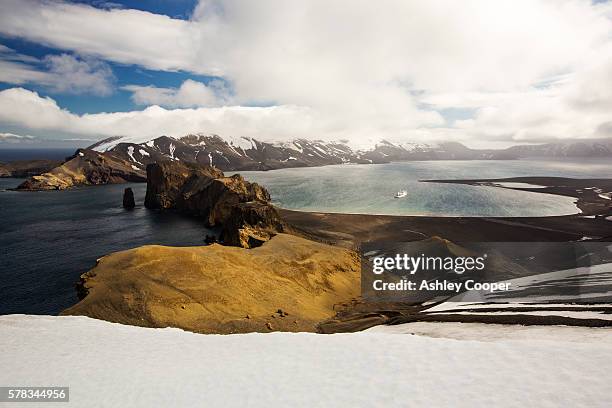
(246, 153)
(131, 155)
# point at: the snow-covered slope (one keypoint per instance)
(110, 365)
(575, 285)
(245, 153)
(237, 153)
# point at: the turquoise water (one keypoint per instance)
(369, 189)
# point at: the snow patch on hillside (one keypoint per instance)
(127, 139)
(109, 365)
(360, 145)
(244, 143)
(415, 147)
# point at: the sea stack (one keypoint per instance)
(128, 199)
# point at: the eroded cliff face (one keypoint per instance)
(85, 167)
(241, 209)
(167, 181)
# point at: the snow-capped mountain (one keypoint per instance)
(117, 159)
(245, 153)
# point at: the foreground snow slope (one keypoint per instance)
(111, 365)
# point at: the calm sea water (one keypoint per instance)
(48, 239)
(370, 188)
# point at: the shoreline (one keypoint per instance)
(350, 229)
(578, 214)
(594, 195)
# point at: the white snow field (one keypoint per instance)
(112, 365)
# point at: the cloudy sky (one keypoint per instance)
(486, 73)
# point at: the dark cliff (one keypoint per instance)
(241, 209)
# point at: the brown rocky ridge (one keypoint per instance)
(85, 167)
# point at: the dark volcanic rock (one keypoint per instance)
(251, 224)
(85, 167)
(128, 199)
(241, 209)
(27, 168)
(168, 182)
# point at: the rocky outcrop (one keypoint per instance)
(128, 199)
(241, 209)
(251, 224)
(27, 168)
(85, 167)
(170, 185)
(287, 284)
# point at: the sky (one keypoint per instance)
(484, 73)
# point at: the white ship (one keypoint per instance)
(401, 194)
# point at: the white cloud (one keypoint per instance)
(354, 68)
(15, 139)
(126, 36)
(73, 75)
(20, 105)
(189, 94)
(25, 109)
(17, 73)
(62, 73)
